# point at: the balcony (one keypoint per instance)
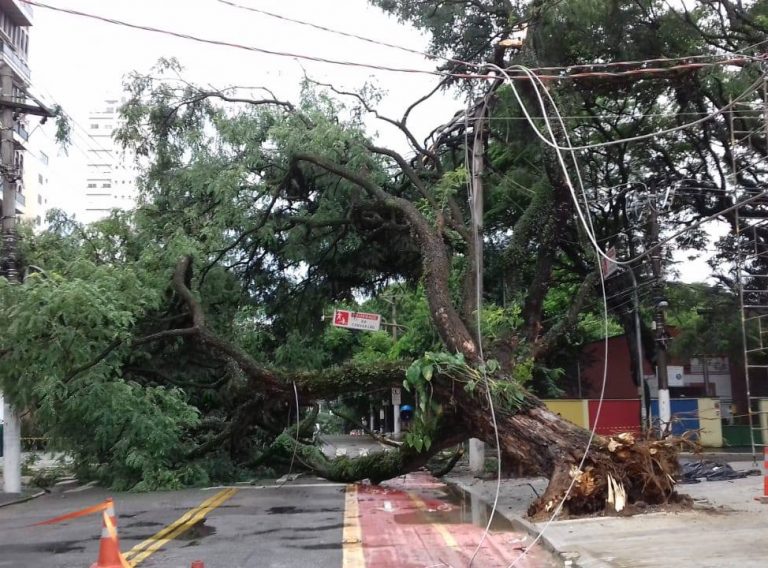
(19, 12)
(20, 134)
(16, 63)
(20, 199)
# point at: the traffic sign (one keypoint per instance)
(356, 320)
(609, 266)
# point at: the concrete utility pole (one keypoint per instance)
(639, 347)
(10, 269)
(395, 407)
(659, 320)
(477, 447)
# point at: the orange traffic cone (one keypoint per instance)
(109, 546)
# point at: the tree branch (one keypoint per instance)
(435, 262)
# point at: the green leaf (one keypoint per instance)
(413, 373)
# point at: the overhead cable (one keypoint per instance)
(686, 59)
(589, 228)
(378, 67)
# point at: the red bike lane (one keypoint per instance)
(417, 521)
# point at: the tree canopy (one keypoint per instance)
(165, 345)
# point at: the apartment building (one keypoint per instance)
(38, 176)
(15, 20)
(110, 178)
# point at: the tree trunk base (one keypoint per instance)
(618, 472)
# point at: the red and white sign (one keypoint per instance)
(356, 320)
(608, 266)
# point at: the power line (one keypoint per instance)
(452, 60)
(331, 30)
(480, 67)
(670, 114)
(222, 43)
(90, 140)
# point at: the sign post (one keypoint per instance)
(397, 396)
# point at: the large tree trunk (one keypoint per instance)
(541, 442)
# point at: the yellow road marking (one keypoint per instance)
(352, 536)
(439, 527)
(145, 549)
(185, 517)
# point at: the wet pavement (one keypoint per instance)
(414, 521)
(295, 525)
(726, 528)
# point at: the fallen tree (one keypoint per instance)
(264, 214)
(615, 471)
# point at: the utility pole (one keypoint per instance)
(9, 269)
(639, 348)
(659, 319)
(395, 407)
(476, 446)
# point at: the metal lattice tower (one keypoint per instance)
(749, 148)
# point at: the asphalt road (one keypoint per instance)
(409, 522)
(299, 524)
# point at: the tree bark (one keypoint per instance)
(539, 442)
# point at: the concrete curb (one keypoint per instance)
(23, 499)
(517, 522)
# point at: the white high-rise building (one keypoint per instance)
(39, 176)
(110, 176)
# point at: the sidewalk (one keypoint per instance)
(727, 527)
(44, 461)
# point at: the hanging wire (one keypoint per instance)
(298, 56)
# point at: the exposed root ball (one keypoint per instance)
(618, 471)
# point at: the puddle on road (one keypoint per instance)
(299, 510)
(49, 547)
(451, 506)
(315, 528)
(324, 546)
(197, 531)
(282, 510)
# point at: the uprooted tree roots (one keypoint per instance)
(619, 471)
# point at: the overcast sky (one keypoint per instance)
(78, 62)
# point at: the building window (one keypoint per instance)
(40, 199)
(106, 184)
(44, 158)
(94, 126)
(40, 179)
(90, 185)
(38, 220)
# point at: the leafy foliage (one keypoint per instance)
(290, 209)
